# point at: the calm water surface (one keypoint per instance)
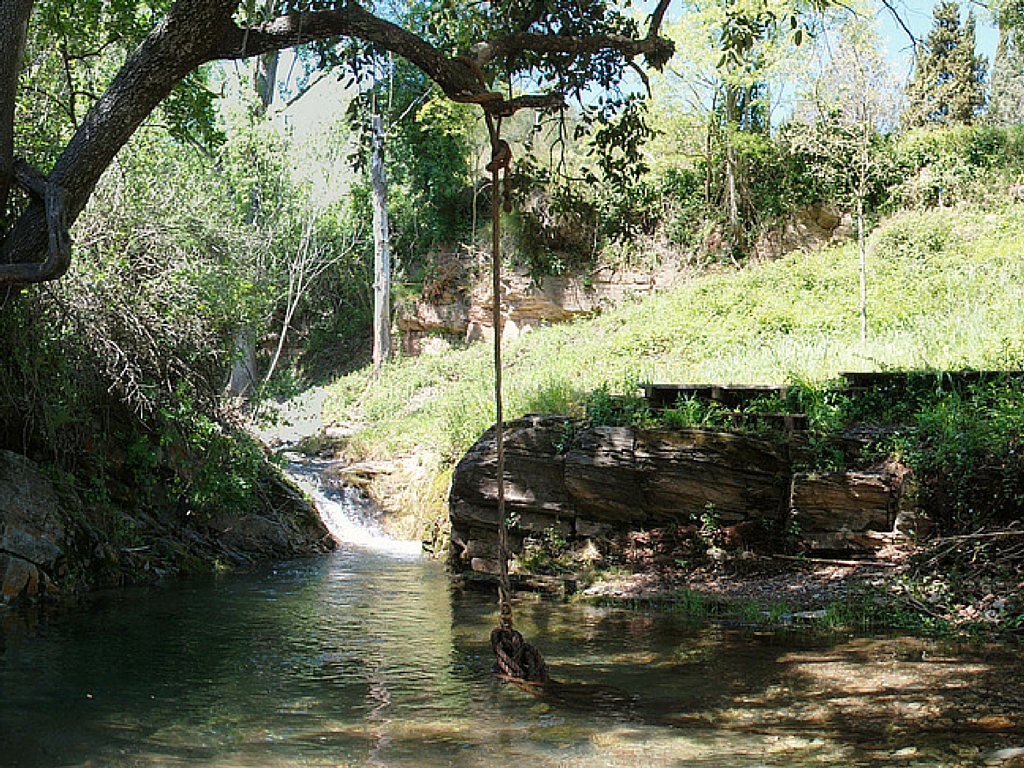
(365, 658)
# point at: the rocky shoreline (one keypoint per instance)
(53, 543)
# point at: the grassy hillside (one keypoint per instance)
(945, 287)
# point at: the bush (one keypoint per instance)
(962, 164)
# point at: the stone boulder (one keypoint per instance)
(596, 482)
(607, 483)
(535, 492)
(843, 510)
(601, 475)
(687, 472)
(32, 530)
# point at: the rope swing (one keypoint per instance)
(515, 658)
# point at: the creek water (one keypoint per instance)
(367, 657)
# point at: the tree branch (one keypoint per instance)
(175, 47)
(628, 47)
(457, 77)
(14, 16)
(899, 20)
(350, 20)
(53, 201)
(195, 32)
(654, 30)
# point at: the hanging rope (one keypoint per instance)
(515, 657)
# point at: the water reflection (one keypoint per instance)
(364, 659)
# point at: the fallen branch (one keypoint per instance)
(972, 536)
(920, 607)
(829, 561)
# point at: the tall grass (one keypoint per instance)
(946, 291)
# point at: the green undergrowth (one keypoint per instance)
(945, 292)
(861, 614)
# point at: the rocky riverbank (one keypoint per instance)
(657, 496)
(52, 542)
(720, 523)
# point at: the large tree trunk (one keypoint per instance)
(14, 16)
(381, 250)
(180, 43)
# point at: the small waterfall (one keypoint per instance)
(351, 517)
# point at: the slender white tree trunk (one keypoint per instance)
(862, 183)
(863, 270)
(243, 381)
(381, 250)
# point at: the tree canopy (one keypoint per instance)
(542, 53)
(949, 81)
(1006, 94)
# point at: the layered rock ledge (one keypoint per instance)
(607, 487)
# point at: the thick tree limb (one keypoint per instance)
(14, 16)
(53, 201)
(350, 20)
(628, 47)
(176, 46)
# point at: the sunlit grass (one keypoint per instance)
(946, 291)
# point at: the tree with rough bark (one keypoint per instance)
(479, 54)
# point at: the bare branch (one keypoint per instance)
(642, 75)
(303, 91)
(899, 20)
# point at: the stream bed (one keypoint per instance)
(367, 657)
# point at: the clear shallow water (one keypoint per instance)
(365, 658)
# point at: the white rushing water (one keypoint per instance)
(351, 517)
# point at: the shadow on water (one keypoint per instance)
(805, 698)
(363, 658)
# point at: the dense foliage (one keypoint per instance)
(232, 224)
(949, 82)
(114, 375)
